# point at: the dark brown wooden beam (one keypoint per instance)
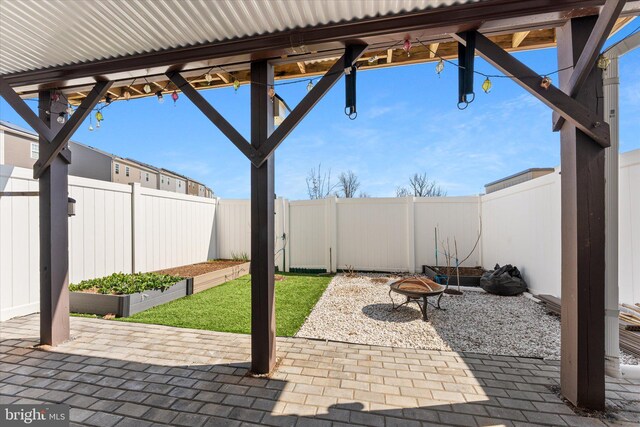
(24, 110)
(588, 58)
(214, 116)
(308, 102)
(582, 361)
(50, 151)
(263, 320)
(585, 120)
(276, 44)
(54, 235)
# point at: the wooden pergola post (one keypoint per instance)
(583, 234)
(54, 232)
(263, 320)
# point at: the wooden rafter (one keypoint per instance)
(553, 97)
(518, 38)
(389, 56)
(224, 77)
(301, 67)
(586, 62)
(433, 49)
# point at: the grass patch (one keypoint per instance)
(227, 308)
(125, 284)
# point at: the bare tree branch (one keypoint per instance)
(348, 184)
(318, 184)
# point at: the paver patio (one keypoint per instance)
(123, 374)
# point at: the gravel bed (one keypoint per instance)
(358, 310)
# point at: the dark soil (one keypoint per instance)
(464, 271)
(193, 270)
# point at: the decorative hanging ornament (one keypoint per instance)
(175, 97)
(271, 92)
(546, 82)
(97, 125)
(486, 85)
(603, 62)
(407, 46)
(439, 67)
(127, 95)
(159, 96)
(99, 117)
(309, 86)
(147, 88)
(61, 118)
(55, 96)
(208, 77)
(236, 84)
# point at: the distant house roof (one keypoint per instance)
(515, 175)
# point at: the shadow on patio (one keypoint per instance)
(115, 373)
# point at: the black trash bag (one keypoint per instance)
(504, 281)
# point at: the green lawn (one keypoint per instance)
(227, 308)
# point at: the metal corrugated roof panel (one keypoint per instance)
(36, 34)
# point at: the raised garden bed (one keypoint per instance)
(208, 274)
(469, 276)
(117, 294)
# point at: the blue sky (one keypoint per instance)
(407, 122)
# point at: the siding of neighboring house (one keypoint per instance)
(127, 172)
(192, 188)
(167, 182)
(181, 186)
(22, 150)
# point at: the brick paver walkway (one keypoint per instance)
(125, 374)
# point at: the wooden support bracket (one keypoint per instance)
(214, 116)
(554, 98)
(308, 102)
(58, 145)
(24, 110)
(588, 58)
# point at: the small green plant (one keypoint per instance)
(125, 284)
(239, 256)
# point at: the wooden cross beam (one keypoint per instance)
(554, 98)
(214, 116)
(57, 141)
(308, 102)
(606, 20)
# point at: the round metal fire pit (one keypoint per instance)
(417, 290)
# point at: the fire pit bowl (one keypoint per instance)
(417, 290)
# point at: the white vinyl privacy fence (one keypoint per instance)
(117, 228)
(128, 228)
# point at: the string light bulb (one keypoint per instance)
(127, 95)
(271, 92)
(159, 96)
(373, 59)
(309, 86)
(603, 62)
(61, 118)
(407, 46)
(486, 85)
(98, 125)
(208, 77)
(545, 82)
(90, 124)
(236, 85)
(147, 88)
(439, 67)
(69, 110)
(175, 97)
